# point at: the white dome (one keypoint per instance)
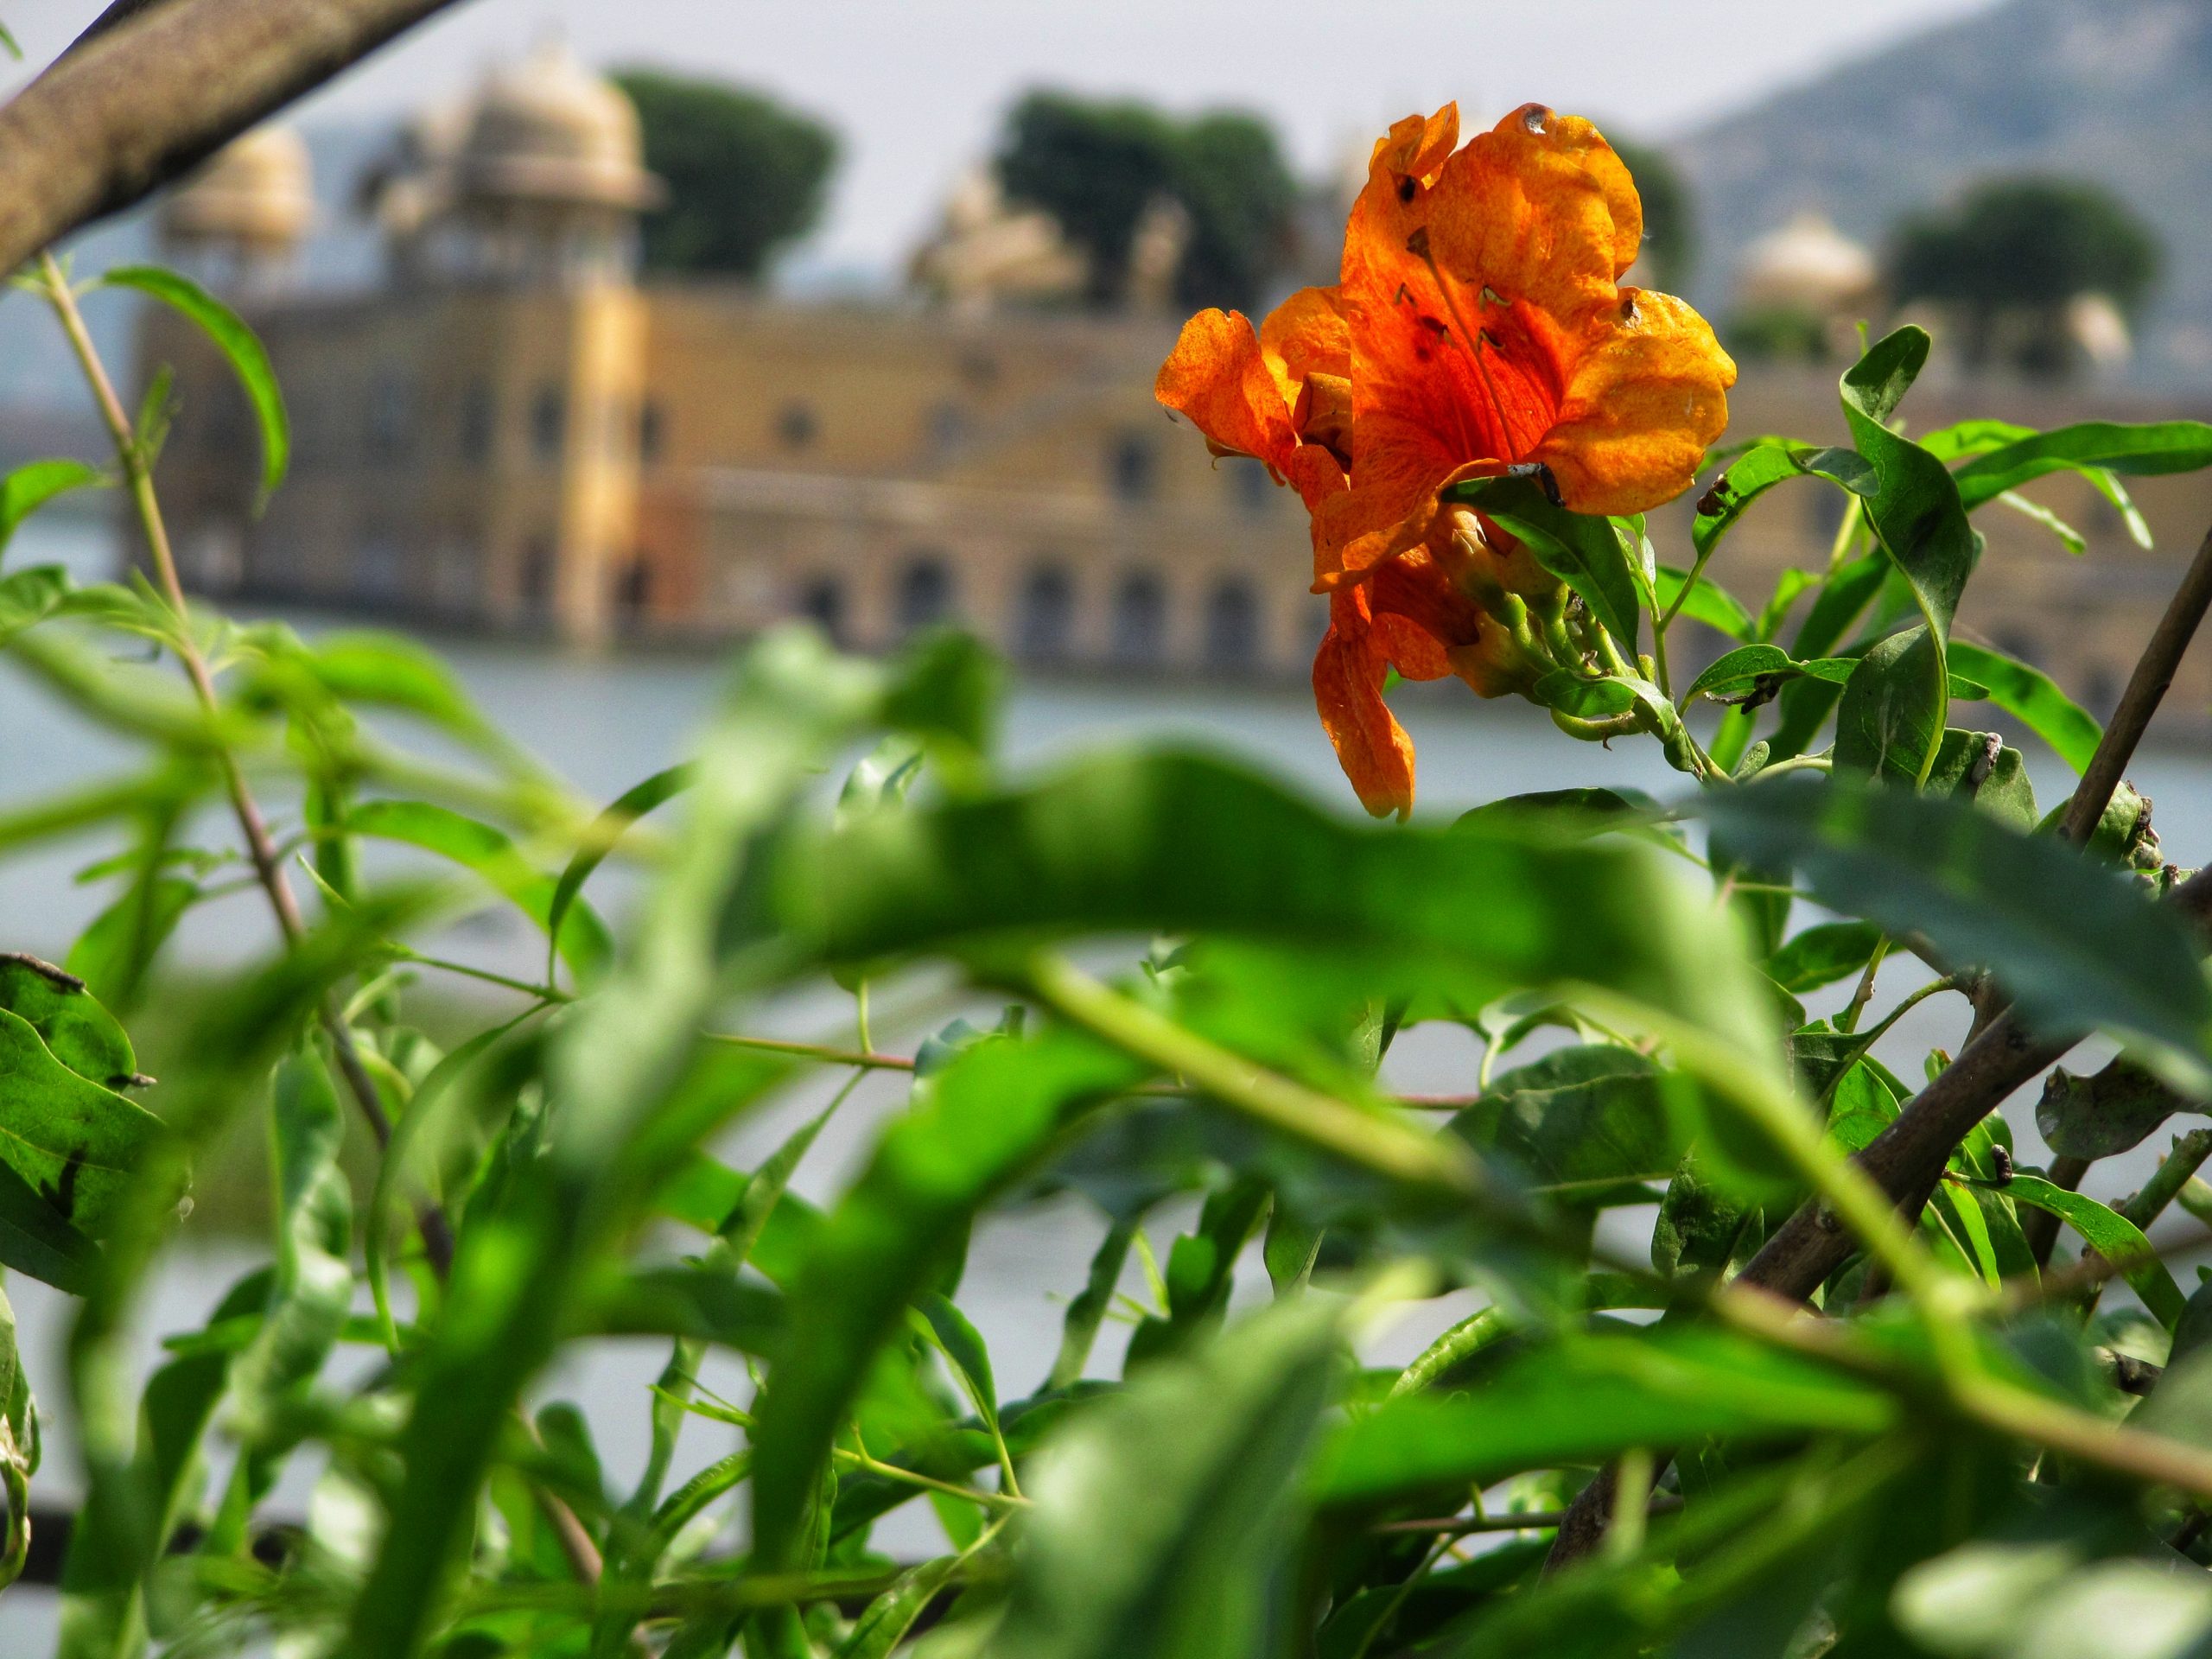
(257, 192)
(1806, 265)
(548, 130)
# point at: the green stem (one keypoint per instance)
(2173, 1172)
(1371, 1140)
(1874, 1033)
(1865, 991)
(865, 1060)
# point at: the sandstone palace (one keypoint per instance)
(513, 431)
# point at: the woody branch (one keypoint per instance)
(156, 87)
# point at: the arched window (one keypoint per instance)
(1044, 630)
(1232, 625)
(478, 417)
(392, 417)
(1140, 619)
(1133, 467)
(948, 425)
(635, 590)
(536, 583)
(822, 601)
(548, 423)
(925, 594)
(797, 424)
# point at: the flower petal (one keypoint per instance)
(1541, 213)
(1642, 405)
(1347, 676)
(1306, 335)
(1218, 376)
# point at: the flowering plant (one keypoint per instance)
(1725, 1320)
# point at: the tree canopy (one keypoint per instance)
(2021, 244)
(745, 174)
(1669, 253)
(1096, 165)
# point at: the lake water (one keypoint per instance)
(607, 720)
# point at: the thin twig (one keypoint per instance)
(1459, 1526)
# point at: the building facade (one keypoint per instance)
(515, 433)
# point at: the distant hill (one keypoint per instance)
(2116, 90)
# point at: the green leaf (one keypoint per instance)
(1201, 1271)
(600, 839)
(1708, 602)
(384, 670)
(2032, 696)
(1892, 709)
(29, 488)
(1585, 1400)
(1737, 673)
(582, 941)
(2109, 1112)
(1586, 698)
(695, 1304)
(124, 1524)
(1590, 1120)
(1768, 462)
(2074, 944)
(1161, 1517)
(28, 597)
(1165, 843)
(83, 1035)
(310, 1293)
(18, 1448)
(238, 343)
(2112, 1235)
(2104, 446)
(36, 1238)
(113, 954)
(1699, 1225)
(993, 1115)
(1582, 552)
(2003, 789)
(78, 1145)
(1087, 1309)
(1823, 954)
(638, 1094)
(963, 1346)
(1916, 513)
(2068, 537)
(892, 1614)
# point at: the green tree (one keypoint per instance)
(746, 175)
(1096, 166)
(2024, 245)
(1669, 253)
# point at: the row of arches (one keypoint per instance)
(1044, 625)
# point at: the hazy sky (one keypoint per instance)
(917, 86)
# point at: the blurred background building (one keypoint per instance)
(543, 383)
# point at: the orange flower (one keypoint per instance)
(1479, 323)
